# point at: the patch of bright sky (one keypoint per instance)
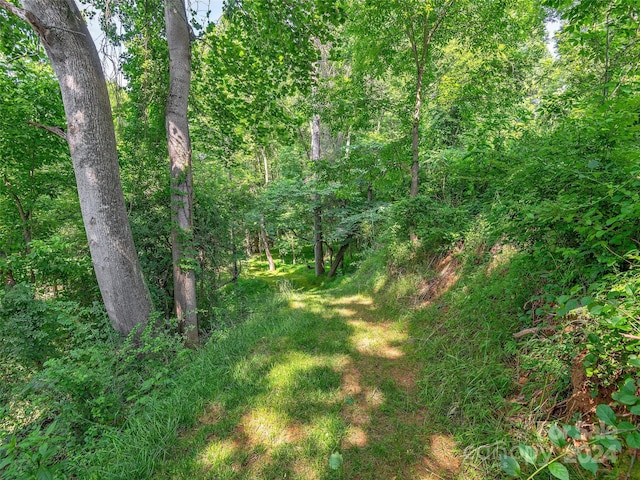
(552, 26)
(206, 11)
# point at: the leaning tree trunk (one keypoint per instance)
(339, 258)
(92, 142)
(177, 125)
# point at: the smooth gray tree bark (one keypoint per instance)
(177, 125)
(318, 251)
(92, 142)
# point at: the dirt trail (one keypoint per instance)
(341, 380)
(388, 434)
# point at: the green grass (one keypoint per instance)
(318, 368)
(356, 366)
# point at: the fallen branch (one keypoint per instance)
(632, 337)
(533, 330)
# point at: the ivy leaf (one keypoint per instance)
(587, 462)
(606, 414)
(335, 461)
(510, 465)
(558, 470)
(528, 454)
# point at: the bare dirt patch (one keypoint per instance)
(447, 273)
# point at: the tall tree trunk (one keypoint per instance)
(293, 250)
(420, 55)
(263, 230)
(248, 243)
(265, 244)
(177, 125)
(417, 110)
(92, 142)
(318, 252)
(234, 253)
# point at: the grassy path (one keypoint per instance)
(341, 380)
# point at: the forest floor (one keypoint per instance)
(336, 397)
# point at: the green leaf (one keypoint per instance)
(587, 462)
(595, 309)
(571, 305)
(44, 474)
(510, 465)
(616, 321)
(606, 414)
(610, 443)
(556, 436)
(349, 401)
(593, 164)
(625, 398)
(558, 470)
(635, 410)
(584, 301)
(624, 427)
(335, 461)
(528, 454)
(633, 440)
(572, 431)
(629, 386)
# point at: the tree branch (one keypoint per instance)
(436, 25)
(17, 11)
(412, 40)
(55, 130)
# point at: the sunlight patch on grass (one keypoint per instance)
(266, 426)
(443, 460)
(297, 304)
(363, 300)
(377, 340)
(218, 454)
(501, 254)
(246, 369)
(285, 374)
(345, 312)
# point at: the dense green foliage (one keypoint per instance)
(529, 193)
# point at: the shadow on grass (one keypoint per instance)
(341, 379)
